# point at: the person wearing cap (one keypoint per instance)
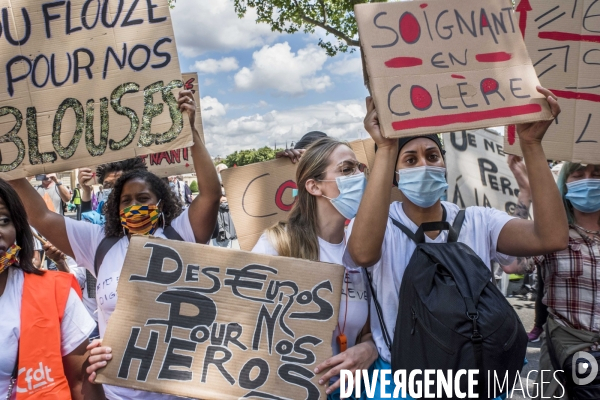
(417, 167)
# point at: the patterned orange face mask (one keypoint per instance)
(9, 258)
(140, 220)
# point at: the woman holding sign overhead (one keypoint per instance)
(140, 203)
(330, 183)
(379, 237)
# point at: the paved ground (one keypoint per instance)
(525, 310)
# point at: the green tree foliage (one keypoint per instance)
(194, 187)
(336, 17)
(245, 157)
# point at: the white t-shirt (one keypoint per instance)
(480, 232)
(85, 239)
(90, 303)
(75, 326)
(53, 192)
(354, 284)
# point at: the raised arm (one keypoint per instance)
(84, 177)
(63, 192)
(204, 209)
(48, 223)
(549, 230)
(368, 232)
(521, 265)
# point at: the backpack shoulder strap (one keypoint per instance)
(105, 245)
(404, 229)
(386, 335)
(172, 234)
(108, 242)
(419, 236)
(456, 227)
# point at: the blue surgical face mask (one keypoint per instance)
(351, 192)
(584, 195)
(423, 186)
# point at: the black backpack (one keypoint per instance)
(451, 316)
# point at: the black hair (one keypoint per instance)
(131, 164)
(170, 205)
(24, 237)
(404, 140)
(309, 139)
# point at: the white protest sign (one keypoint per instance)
(478, 173)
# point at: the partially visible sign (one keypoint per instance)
(172, 162)
(437, 66)
(194, 320)
(562, 37)
(259, 196)
(478, 173)
(86, 83)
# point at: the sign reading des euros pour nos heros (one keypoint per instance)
(85, 82)
(439, 66)
(212, 323)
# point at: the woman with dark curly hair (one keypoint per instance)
(140, 203)
(36, 304)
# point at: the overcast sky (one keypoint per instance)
(258, 87)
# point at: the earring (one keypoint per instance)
(163, 220)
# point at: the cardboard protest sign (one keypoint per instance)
(563, 42)
(259, 196)
(86, 82)
(437, 66)
(199, 321)
(175, 162)
(478, 173)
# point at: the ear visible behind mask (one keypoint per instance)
(584, 195)
(423, 186)
(351, 189)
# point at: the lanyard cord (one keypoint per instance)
(347, 276)
(347, 279)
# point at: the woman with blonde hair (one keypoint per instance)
(330, 183)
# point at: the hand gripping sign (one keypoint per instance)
(86, 82)
(440, 66)
(175, 162)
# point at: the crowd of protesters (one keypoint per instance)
(561, 242)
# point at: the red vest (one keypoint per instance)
(41, 372)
